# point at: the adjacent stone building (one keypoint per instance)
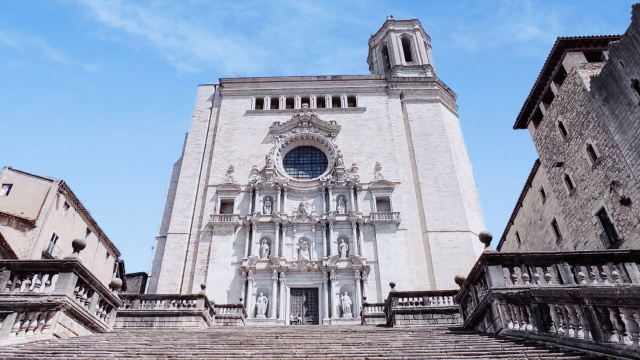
(303, 196)
(40, 217)
(583, 115)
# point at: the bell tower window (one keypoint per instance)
(406, 49)
(386, 65)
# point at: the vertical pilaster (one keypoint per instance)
(356, 248)
(357, 198)
(254, 231)
(332, 206)
(286, 193)
(351, 198)
(325, 296)
(330, 237)
(324, 200)
(358, 297)
(246, 239)
(250, 299)
(267, 102)
(274, 294)
(332, 295)
(256, 205)
(361, 237)
(282, 296)
(365, 284)
(324, 239)
(243, 287)
(279, 192)
(276, 239)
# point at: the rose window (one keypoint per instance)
(305, 163)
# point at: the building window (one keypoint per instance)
(259, 104)
(568, 182)
(275, 103)
(537, 117)
(556, 230)
(386, 65)
(65, 208)
(562, 129)
(305, 100)
(351, 101)
(406, 49)
(548, 98)
(518, 239)
(561, 74)
(594, 56)
(383, 204)
(87, 232)
(305, 163)
(608, 233)
(6, 189)
(543, 195)
(635, 85)
(226, 206)
(289, 103)
(320, 102)
(335, 102)
(52, 243)
(592, 153)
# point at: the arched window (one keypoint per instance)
(386, 65)
(406, 49)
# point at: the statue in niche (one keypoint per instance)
(345, 303)
(269, 161)
(303, 207)
(343, 248)
(342, 205)
(264, 249)
(339, 159)
(303, 250)
(267, 207)
(261, 306)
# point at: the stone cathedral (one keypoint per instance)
(302, 197)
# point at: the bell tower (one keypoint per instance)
(401, 48)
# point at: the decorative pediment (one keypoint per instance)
(305, 121)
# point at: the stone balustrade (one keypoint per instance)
(408, 308)
(373, 314)
(583, 299)
(165, 311)
(225, 219)
(384, 217)
(52, 298)
(230, 314)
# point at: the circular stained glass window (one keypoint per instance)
(305, 163)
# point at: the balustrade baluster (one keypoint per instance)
(615, 337)
(615, 275)
(580, 276)
(515, 315)
(626, 335)
(23, 325)
(547, 276)
(561, 320)
(554, 319)
(16, 325)
(593, 275)
(32, 323)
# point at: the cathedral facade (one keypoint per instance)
(303, 197)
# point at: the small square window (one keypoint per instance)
(289, 103)
(320, 102)
(226, 206)
(383, 204)
(65, 208)
(351, 101)
(87, 232)
(6, 189)
(335, 102)
(260, 104)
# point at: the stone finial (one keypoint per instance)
(78, 245)
(115, 284)
(459, 279)
(485, 238)
(203, 287)
(393, 286)
(390, 17)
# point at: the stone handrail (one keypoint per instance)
(586, 299)
(230, 314)
(229, 219)
(165, 310)
(404, 308)
(373, 314)
(37, 295)
(384, 217)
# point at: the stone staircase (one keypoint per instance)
(291, 342)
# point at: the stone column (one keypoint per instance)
(361, 237)
(254, 232)
(357, 203)
(324, 200)
(332, 206)
(282, 295)
(267, 102)
(250, 299)
(365, 283)
(353, 203)
(294, 248)
(243, 287)
(253, 103)
(257, 202)
(312, 100)
(327, 101)
(274, 294)
(285, 200)
(297, 102)
(250, 200)
(283, 100)
(358, 297)
(333, 294)
(330, 237)
(325, 298)
(356, 250)
(324, 239)
(246, 240)
(276, 239)
(277, 205)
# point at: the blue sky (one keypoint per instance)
(100, 93)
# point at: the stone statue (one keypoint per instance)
(303, 207)
(303, 250)
(267, 207)
(345, 302)
(342, 205)
(268, 159)
(339, 159)
(229, 178)
(261, 306)
(264, 249)
(344, 248)
(377, 172)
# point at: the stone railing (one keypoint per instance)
(382, 217)
(407, 308)
(165, 311)
(230, 314)
(373, 314)
(225, 219)
(588, 300)
(52, 298)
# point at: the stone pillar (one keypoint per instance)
(325, 297)
(358, 298)
(324, 200)
(365, 283)
(276, 239)
(330, 237)
(324, 240)
(312, 100)
(246, 240)
(294, 248)
(243, 288)
(327, 101)
(343, 100)
(283, 100)
(333, 294)
(250, 199)
(351, 198)
(274, 294)
(253, 103)
(285, 200)
(282, 296)
(332, 206)
(286, 305)
(361, 237)
(277, 204)
(356, 250)
(257, 202)
(297, 102)
(357, 203)
(250, 299)
(267, 102)
(254, 231)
